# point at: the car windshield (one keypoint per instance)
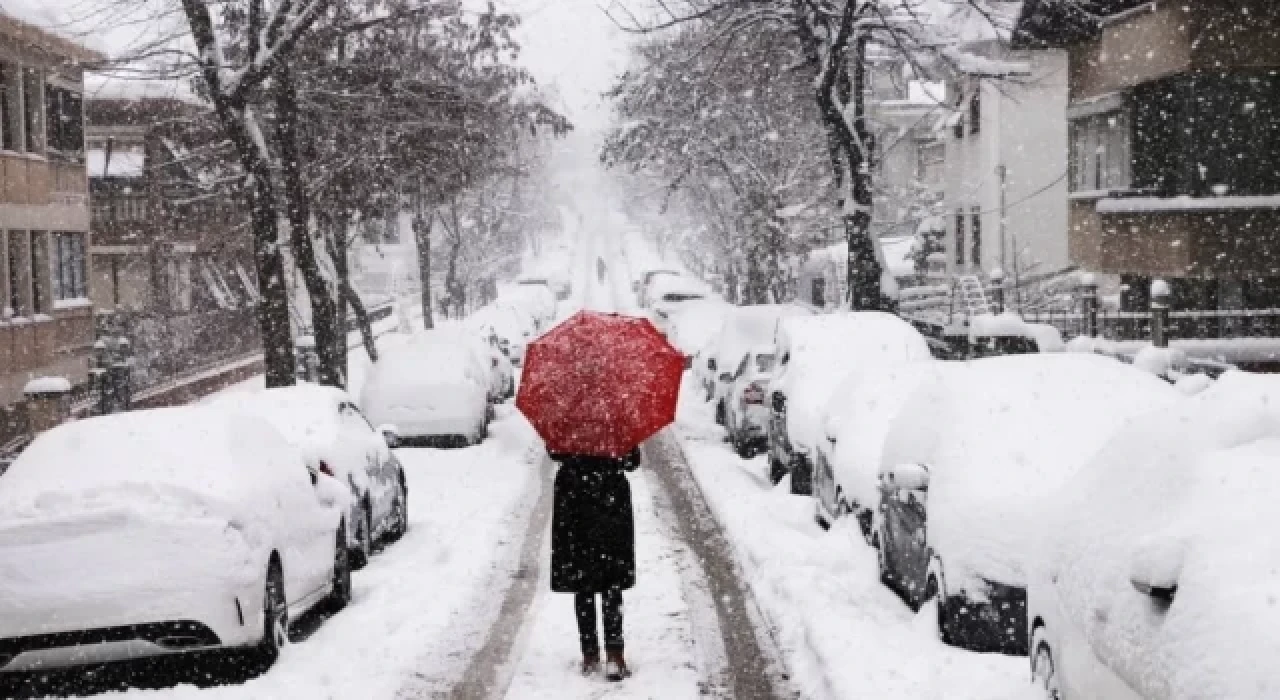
(680, 296)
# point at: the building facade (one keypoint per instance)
(172, 266)
(1005, 192)
(46, 317)
(1174, 122)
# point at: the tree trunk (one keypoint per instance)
(362, 320)
(320, 290)
(335, 240)
(422, 224)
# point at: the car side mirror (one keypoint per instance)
(905, 477)
(390, 434)
(1161, 593)
(1157, 566)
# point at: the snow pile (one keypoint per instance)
(820, 350)
(999, 432)
(47, 385)
(1162, 362)
(1184, 496)
(1003, 325)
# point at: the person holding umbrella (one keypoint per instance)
(593, 550)
(594, 388)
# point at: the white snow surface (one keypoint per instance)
(825, 348)
(1183, 495)
(842, 633)
(998, 433)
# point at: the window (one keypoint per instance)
(10, 107)
(178, 270)
(13, 296)
(128, 208)
(975, 112)
(33, 109)
(64, 120)
(217, 286)
(1100, 152)
(976, 233)
(39, 260)
(960, 237)
(764, 361)
(68, 266)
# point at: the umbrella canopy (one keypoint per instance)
(600, 384)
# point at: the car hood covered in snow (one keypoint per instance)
(1184, 497)
(997, 434)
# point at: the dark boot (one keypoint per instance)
(590, 663)
(615, 667)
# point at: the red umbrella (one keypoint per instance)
(600, 384)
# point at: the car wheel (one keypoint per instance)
(399, 513)
(932, 589)
(340, 596)
(363, 550)
(802, 478)
(740, 445)
(1044, 674)
(275, 618)
(777, 470)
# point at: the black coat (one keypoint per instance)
(593, 542)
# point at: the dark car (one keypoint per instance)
(968, 458)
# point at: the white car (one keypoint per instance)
(430, 393)
(1160, 565)
(667, 296)
(814, 354)
(161, 532)
(557, 283)
(743, 328)
(489, 360)
(641, 286)
(536, 300)
(964, 465)
(325, 425)
(746, 415)
(514, 328)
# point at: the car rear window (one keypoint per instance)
(764, 362)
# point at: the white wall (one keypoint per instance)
(1024, 129)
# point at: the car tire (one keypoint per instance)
(360, 554)
(340, 596)
(777, 470)
(741, 445)
(946, 622)
(275, 618)
(802, 478)
(1044, 672)
(399, 513)
(882, 560)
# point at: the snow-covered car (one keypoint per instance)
(324, 424)
(557, 283)
(1159, 565)
(488, 358)
(692, 326)
(641, 285)
(965, 462)
(859, 414)
(667, 296)
(162, 532)
(429, 391)
(743, 328)
(535, 299)
(513, 327)
(814, 354)
(746, 415)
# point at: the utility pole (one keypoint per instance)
(1003, 174)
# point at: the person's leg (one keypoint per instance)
(584, 605)
(611, 605)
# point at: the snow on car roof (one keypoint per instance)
(747, 326)
(997, 433)
(168, 457)
(676, 284)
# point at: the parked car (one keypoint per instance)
(815, 353)
(668, 296)
(536, 300)
(513, 327)
(488, 359)
(692, 325)
(859, 414)
(1159, 567)
(334, 438)
(641, 286)
(743, 328)
(429, 391)
(558, 284)
(967, 459)
(162, 532)
(746, 415)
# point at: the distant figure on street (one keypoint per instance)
(593, 550)
(601, 269)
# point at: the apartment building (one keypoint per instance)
(46, 316)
